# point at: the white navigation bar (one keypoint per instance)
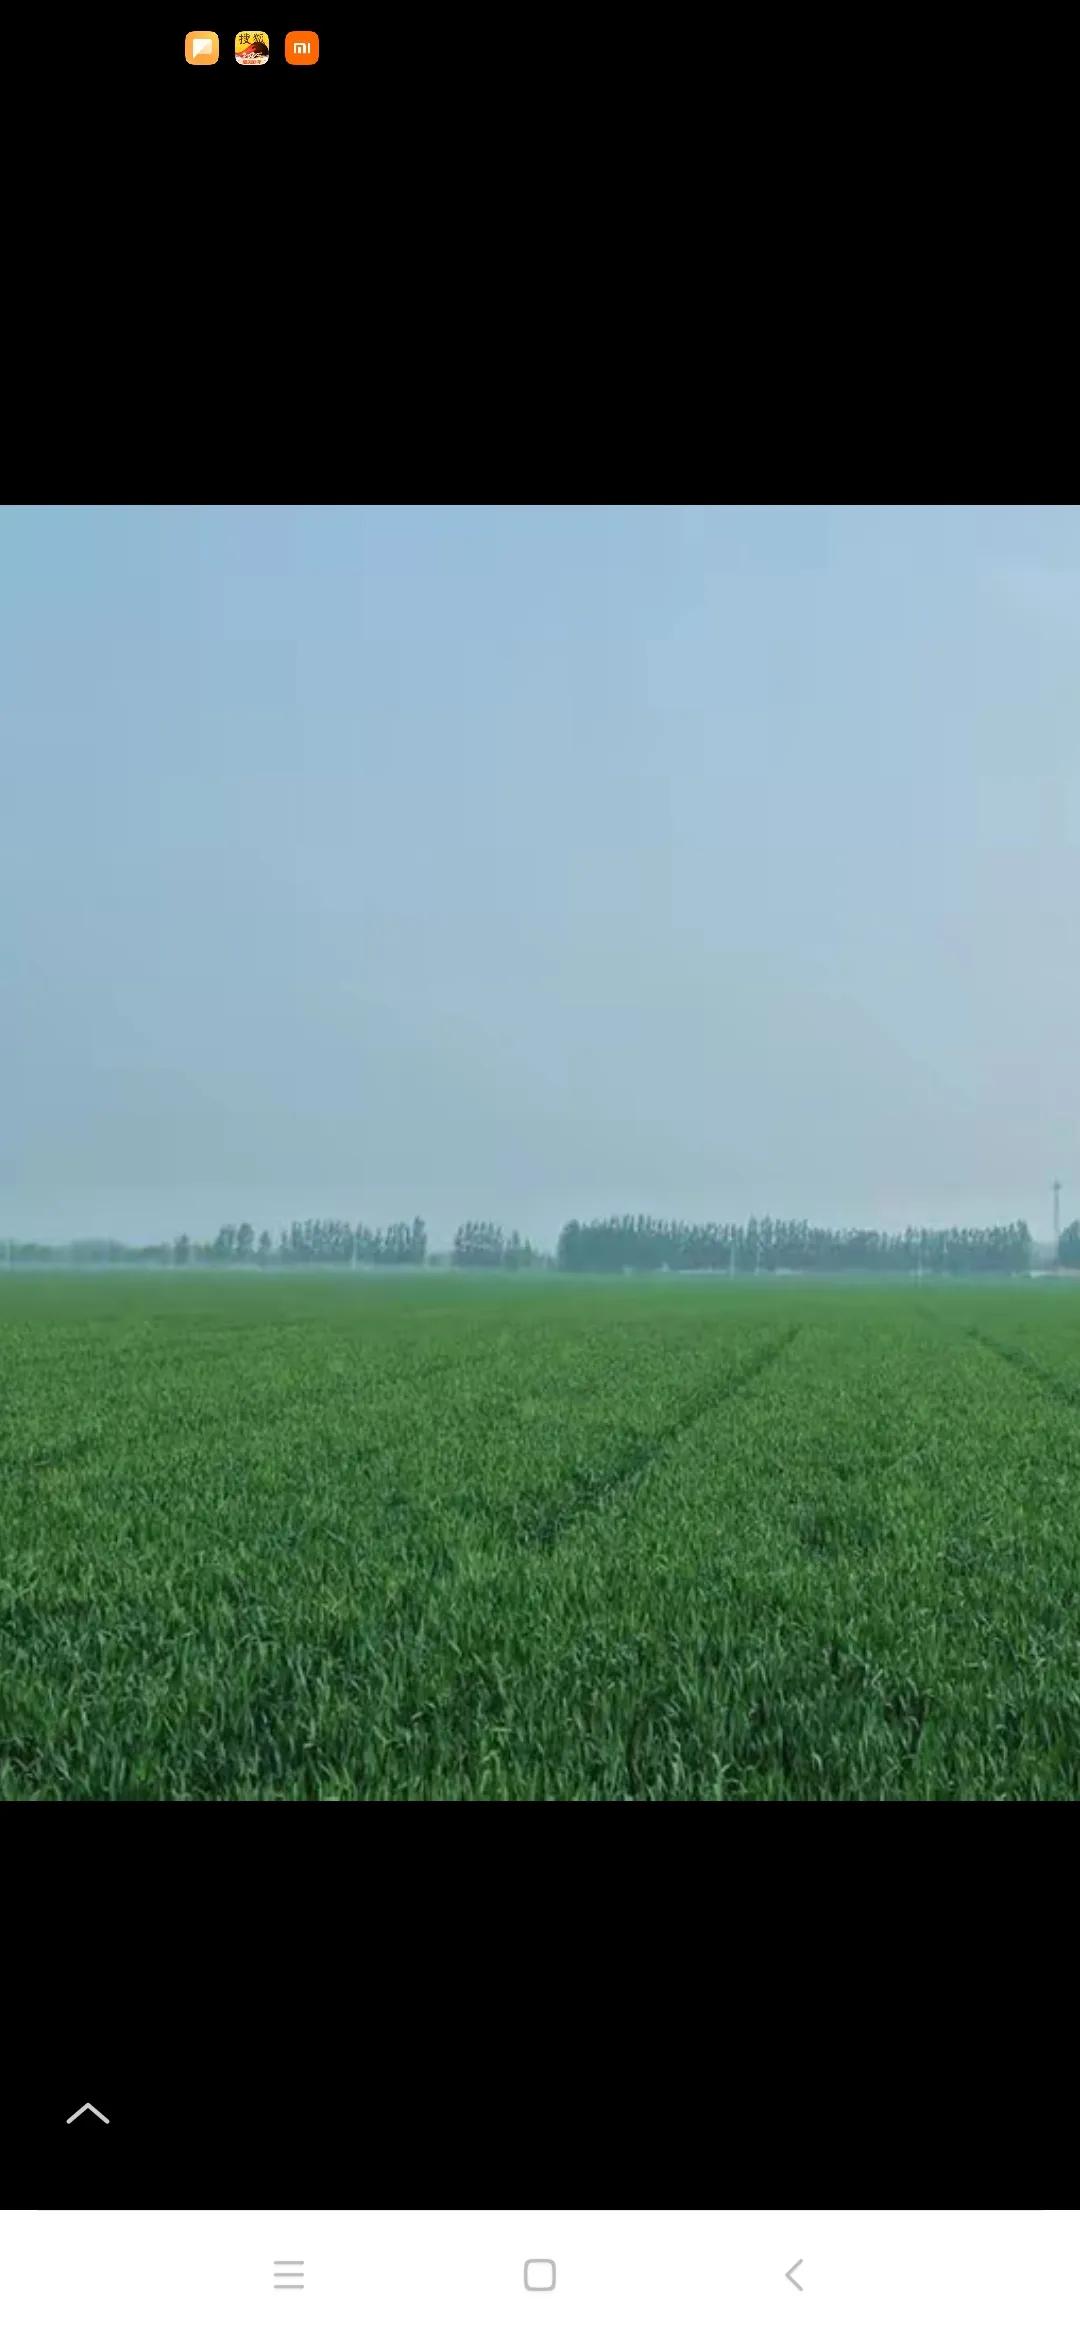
(491, 2274)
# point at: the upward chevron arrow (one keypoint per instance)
(77, 2116)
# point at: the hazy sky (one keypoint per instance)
(523, 862)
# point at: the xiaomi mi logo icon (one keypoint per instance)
(202, 48)
(301, 48)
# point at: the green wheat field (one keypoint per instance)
(313, 1536)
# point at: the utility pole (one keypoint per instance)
(1057, 1217)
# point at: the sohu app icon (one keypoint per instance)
(252, 49)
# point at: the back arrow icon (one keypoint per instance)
(790, 2277)
(77, 2116)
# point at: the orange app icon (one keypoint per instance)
(202, 48)
(301, 48)
(252, 49)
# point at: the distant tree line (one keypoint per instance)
(312, 1243)
(333, 1242)
(308, 1242)
(478, 1244)
(764, 1245)
(596, 1247)
(1069, 1245)
(88, 1251)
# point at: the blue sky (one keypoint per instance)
(525, 861)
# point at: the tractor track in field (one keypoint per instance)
(583, 1493)
(1022, 1362)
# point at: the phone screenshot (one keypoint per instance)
(539, 1240)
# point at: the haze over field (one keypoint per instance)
(530, 863)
